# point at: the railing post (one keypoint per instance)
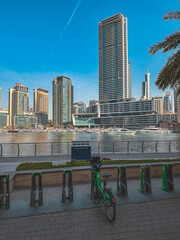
(142, 147)
(98, 147)
(1, 150)
(169, 146)
(18, 149)
(156, 147)
(35, 149)
(128, 147)
(113, 146)
(52, 149)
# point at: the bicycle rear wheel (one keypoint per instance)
(110, 207)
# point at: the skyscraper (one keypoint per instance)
(129, 80)
(168, 102)
(146, 91)
(113, 58)
(62, 101)
(41, 100)
(18, 101)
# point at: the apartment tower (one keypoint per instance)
(18, 101)
(113, 58)
(41, 100)
(62, 101)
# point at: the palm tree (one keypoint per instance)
(169, 75)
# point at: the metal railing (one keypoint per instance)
(64, 148)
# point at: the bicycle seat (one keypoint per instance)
(106, 175)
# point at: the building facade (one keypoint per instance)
(18, 101)
(42, 118)
(167, 117)
(4, 119)
(41, 100)
(129, 121)
(168, 102)
(62, 101)
(84, 119)
(129, 80)
(113, 58)
(76, 109)
(81, 106)
(93, 106)
(126, 107)
(25, 120)
(158, 105)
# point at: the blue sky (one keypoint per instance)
(40, 40)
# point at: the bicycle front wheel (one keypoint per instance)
(110, 206)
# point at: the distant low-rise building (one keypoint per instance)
(84, 119)
(42, 118)
(167, 117)
(76, 109)
(158, 104)
(4, 119)
(81, 107)
(93, 106)
(26, 120)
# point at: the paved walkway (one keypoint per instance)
(142, 221)
(10, 163)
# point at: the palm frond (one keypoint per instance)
(170, 73)
(170, 42)
(170, 15)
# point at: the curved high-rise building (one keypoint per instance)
(113, 58)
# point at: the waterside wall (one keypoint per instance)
(22, 179)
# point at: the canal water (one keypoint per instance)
(60, 143)
(82, 136)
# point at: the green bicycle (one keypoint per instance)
(102, 193)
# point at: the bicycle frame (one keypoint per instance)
(97, 184)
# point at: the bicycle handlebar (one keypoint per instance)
(106, 159)
(96, 161)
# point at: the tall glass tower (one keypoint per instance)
(113, 58)
(146, 89)
(62, 101)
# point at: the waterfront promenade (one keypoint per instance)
(139, 216)
(9, 164)
(138, 221)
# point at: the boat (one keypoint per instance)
(13, 131)
(154, 130)
(120, 131)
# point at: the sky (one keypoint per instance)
(43, 39)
